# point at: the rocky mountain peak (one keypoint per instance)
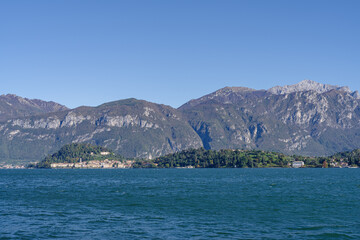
(12, 106)
(307, 85)
(13, 97)
(224, 95)
(356, 94)
(233, 90)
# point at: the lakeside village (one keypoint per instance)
(92, 164)
(86, 156)
(113, 164)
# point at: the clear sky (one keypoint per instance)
(83, 52)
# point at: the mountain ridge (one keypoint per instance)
(12, 106)
(307, 85)
(225, 94)
(311, 122)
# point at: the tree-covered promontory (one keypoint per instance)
(227, 158)
(77, 152)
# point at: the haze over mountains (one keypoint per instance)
(307, 118)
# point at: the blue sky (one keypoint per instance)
(89, 52)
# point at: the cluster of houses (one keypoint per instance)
(94, 164)
(340, 164)
(11, 166)
(333, 164)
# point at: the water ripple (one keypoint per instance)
(180, 204)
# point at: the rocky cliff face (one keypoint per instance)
(307, 118)
(131, 127)
(306, 85)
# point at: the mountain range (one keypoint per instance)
(307, 118)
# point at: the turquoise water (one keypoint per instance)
(180, 204)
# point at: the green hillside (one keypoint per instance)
(77, 152)
(202, 158)
(351, 158)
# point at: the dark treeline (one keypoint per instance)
(201, 158)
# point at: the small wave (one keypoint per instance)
(333, 236)
(308, 228)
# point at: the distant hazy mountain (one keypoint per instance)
(12, 106)
(307, 118)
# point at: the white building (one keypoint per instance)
(298, 164)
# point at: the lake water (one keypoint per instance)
(180, 204)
